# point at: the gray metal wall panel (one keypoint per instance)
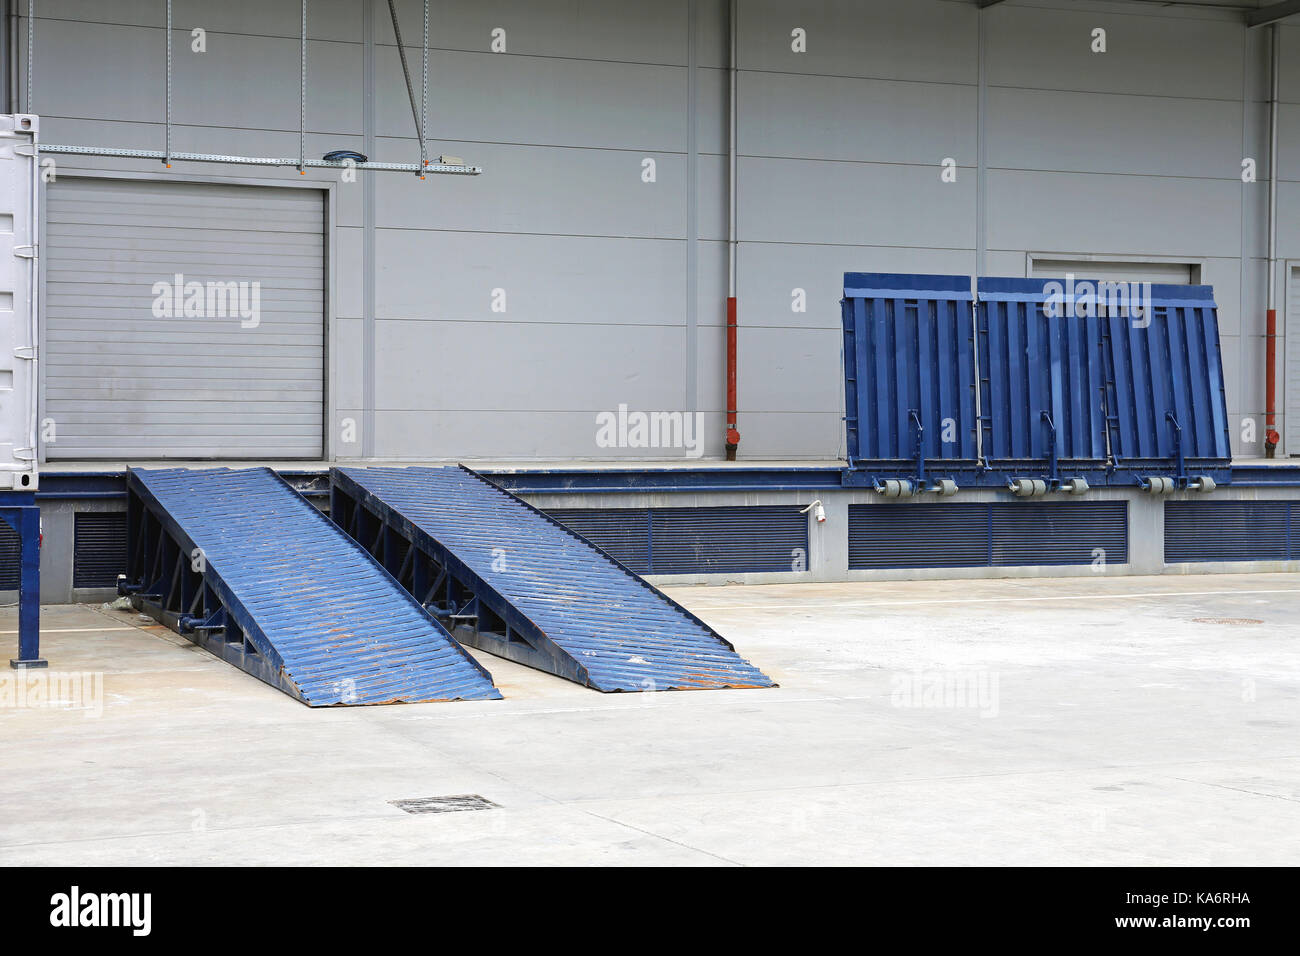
(328, 20)
(562, 161)
(927, 40)
(121, 382)
(1189, 55)
(548, 279)
(1111, 133)
(1138, 215)
(541, 101)
(857, 120)
(585, 369)
(580, 29)
(808, 201)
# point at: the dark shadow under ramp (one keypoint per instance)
(249, 569)
(517, 583)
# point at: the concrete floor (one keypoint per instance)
(1112, 721)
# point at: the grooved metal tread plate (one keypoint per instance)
(621, 631)
(343, 629)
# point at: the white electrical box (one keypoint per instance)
(19, 246)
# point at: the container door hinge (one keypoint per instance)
(25, 252)
(27, 352)
(24, 454)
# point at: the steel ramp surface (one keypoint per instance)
(249, 569)
(515, 582)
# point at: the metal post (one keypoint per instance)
(31, 47)
(1271, 437)
(26, 520)
(424, 92)
(167, 151)
(302, 95)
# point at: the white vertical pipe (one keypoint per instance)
(731, 158)
(1275, 65)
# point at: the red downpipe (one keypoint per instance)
(1271, 437)
(733, 436)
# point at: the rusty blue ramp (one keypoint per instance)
(512, 581)
(247, 568)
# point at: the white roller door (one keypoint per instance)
(183, 320)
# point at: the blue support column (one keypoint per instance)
(26, 520)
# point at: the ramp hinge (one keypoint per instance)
(26, 252)
(27, 352)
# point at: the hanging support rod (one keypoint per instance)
(410, 90)
(445, 168)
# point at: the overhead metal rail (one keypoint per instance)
(512, 581)
(167, 155)
(244, 566)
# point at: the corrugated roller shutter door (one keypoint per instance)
(918, 536)
(740, 538)
(1011, 534)
(1231, 531)
(622, 533)
(720, 540)
(1046, 533)
(121, 381)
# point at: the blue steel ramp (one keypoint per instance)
(516, 583)
(250, 570)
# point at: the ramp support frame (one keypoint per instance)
(168, 579)
(474, 613)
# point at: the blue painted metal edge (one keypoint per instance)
(19, 510)
(112, 485)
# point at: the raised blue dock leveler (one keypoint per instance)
(1037, 386)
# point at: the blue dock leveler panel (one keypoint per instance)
(1167, 379)
(1050, 385)
(1042, 377)
(909, 368)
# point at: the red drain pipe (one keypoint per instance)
(733, 436)
(1271, 437)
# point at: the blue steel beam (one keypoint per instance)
(19, 511)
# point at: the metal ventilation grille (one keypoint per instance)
(98, 549)
(10, 556)
(729, 539)
(1231, 531)
(1010, 534)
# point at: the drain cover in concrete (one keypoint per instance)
(463, 801)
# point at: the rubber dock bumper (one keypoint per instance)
(512, 581)
(244, 566)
